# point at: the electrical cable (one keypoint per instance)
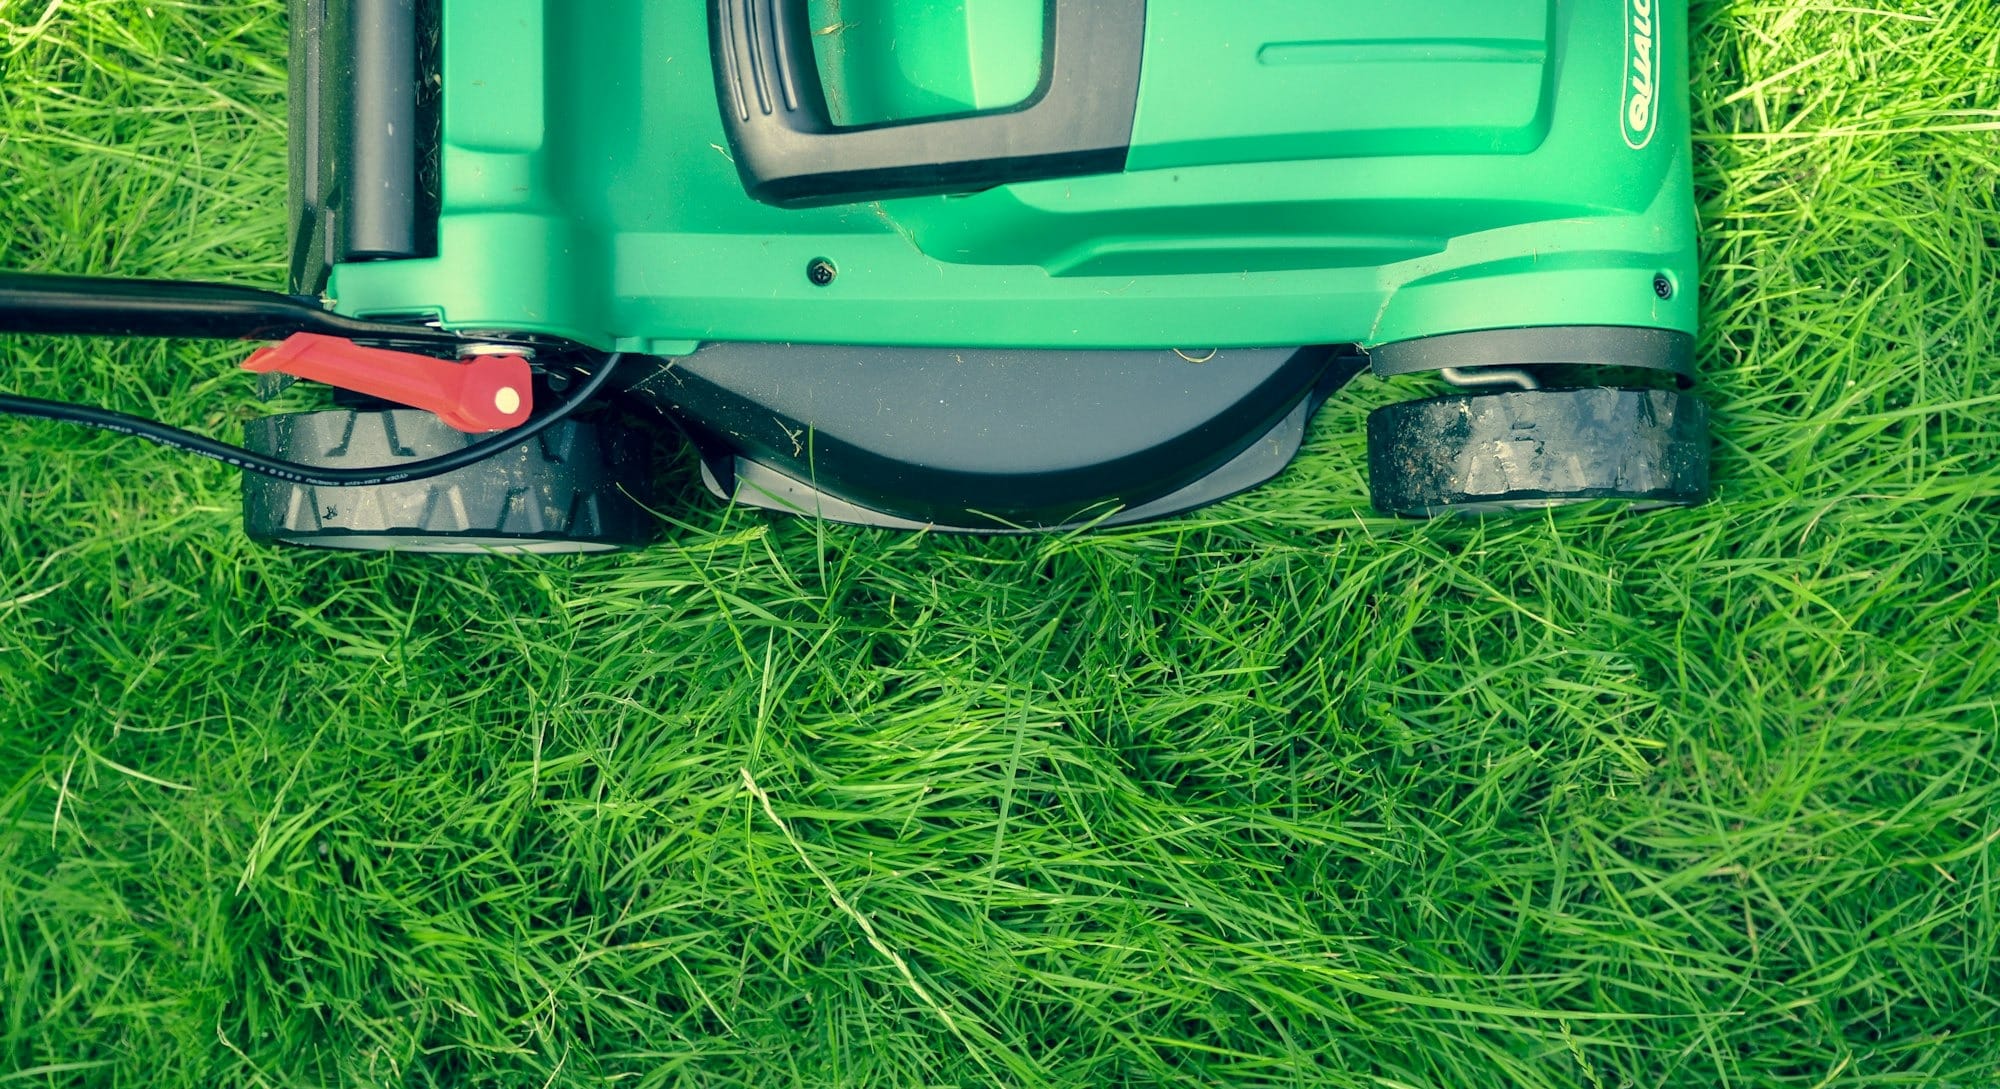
(299, 473)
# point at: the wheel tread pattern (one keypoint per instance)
(581, 482)
(1489, 451)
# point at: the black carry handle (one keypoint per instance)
(96, 306)
(790, 153)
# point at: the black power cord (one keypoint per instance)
(296, 473)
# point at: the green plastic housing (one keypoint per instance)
(1316, 171)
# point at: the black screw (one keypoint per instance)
(821, 271)
(1663, 287)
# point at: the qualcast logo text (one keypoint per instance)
(1641, 116)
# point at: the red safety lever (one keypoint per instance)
(483, 393)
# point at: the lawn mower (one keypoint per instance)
(971, 265)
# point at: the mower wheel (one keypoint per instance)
(580, 486)
(1484, 452)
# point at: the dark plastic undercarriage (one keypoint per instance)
(991, 441)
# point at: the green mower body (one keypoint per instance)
(1317, 171)
(983, 265)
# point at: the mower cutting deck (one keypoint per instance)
(983, 266)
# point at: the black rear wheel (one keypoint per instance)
(1485, 452)
(581, 486)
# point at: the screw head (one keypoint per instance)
(1663, 287)
(821, 271)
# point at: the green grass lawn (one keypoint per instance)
(1282, 794)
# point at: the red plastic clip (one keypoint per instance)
(484, 393)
